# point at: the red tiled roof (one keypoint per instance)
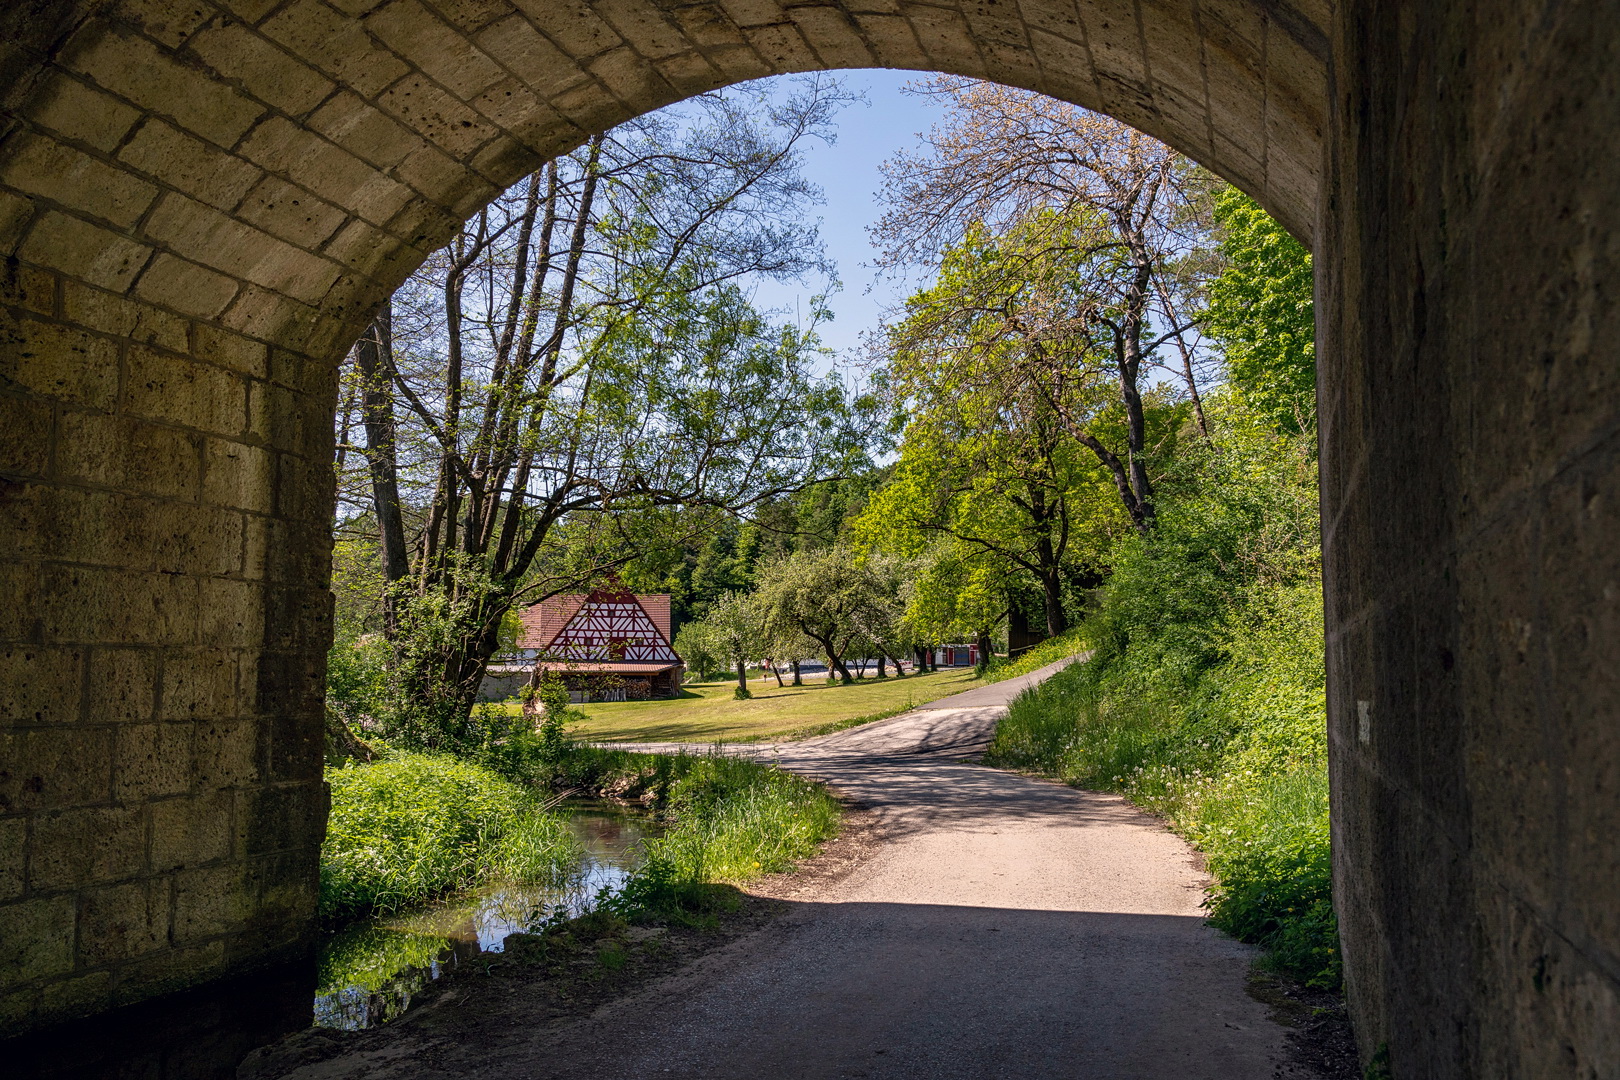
(542, 622)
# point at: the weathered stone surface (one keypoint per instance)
(199, 211)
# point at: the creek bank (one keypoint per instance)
(546, 981)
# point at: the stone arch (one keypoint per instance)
(200, 204)
(201, 201)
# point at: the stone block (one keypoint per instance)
(41, 685)
(40, 165)
(238, 475)
(228, 350)
(193, 166)
(643, 27)
(893, 40)
(198, 684)
(78, 996)
(181, 285)
(530, 55)
(93, 846)
(289, 818)
(109, 313)
(153, 760)
(446, 55)
(232, 614)
(213, 239)
(155, 80)
(20, 618)
(170, 970)
(31, 288)
(632, 80)
(169, 23)
(25, 436)
(572, 24)
(237, 53)
(166, 387)
(36, 939)
(47, 768)
(17, 212)
(191, 831)
(122, 685)
(436, 115)
(209, 902)
(229, 753)
(62, 362)
(85, 250)
(290, 212)
(13, 856)
(115, 451)
(122, 922)
(80, 112)
(338, 45)
(833, 36)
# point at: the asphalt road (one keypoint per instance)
(1001, 927)
(1005, 927)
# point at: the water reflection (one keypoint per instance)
(370, 972)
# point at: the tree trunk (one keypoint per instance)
(375, 362)
(1052, 590)
(986, 652)
(880, 672)
(798, 680)
(742, 675)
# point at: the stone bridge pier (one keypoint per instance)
(202, 202)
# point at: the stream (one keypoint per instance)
(369, 971)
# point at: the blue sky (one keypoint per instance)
(868, 134)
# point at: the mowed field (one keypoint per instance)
(708, 713)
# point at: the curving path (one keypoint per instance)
(1004, 927)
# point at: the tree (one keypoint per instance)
(578, 361)
(733, 628)
(1261, 313)
(1066, 226)
(827, 596)
(993, 468)
(958, 593)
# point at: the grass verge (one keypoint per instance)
(411, 826)
(1232, 754)
(706, 712)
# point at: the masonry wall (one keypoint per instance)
(1469, 331)
(200, 205)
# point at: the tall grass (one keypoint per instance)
(1050, 651)
(411, 826)
(1204, 698)
(1233, 756)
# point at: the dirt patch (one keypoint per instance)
(544, 982)
(1320, 1040)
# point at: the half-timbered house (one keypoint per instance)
(608, 645)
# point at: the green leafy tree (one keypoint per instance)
(828, 596)
(578, 362)
(1260, 311)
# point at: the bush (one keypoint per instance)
(412, 826)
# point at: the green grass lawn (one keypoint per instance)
(706, 712)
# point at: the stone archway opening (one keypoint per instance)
(201, 204)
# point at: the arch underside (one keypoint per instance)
(201, 204)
